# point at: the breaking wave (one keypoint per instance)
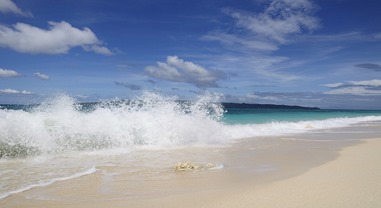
(150, 120)
(60, 124)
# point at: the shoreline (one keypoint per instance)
(279, 172)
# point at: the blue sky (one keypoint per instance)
(324, 53)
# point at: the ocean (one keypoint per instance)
(61, 139)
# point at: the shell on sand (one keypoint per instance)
(186, 166)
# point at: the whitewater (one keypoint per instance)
(61, 139)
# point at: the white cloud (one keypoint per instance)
(255, 97)
(240, 42)
(58, 39)
(267, 30)
(12, 91)
(8, 73)
(178, 70)
(354, 90)
(361, 88)
(260, 66)
(98, 49)
(373, 83)
(7, 6)
(41, 76)
(333, 85)
(340, 37)
(279, 20)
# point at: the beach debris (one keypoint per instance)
(184, 166)
(189, 166)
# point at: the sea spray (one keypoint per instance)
(61, 124)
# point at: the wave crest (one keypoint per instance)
(60, 124)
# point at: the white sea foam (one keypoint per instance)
(217, 167)
(287, 128)
(49, 182)
(150, 120)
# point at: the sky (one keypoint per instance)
(318, 53)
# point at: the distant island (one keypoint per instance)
(91, 105)
(267, 106)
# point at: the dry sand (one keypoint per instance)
(353, 179)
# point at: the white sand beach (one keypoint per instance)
(350, 177)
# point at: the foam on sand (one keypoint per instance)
(47, 183)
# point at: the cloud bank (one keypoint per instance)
(58, 39)
(178, 70)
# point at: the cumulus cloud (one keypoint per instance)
(361, 88)
(12, 91)
(41, 76)
(128, 85)
(7, 6)
(58, 39)
(8, 73)
(375, 67)
(178, 70)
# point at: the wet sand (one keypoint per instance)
(273, 172)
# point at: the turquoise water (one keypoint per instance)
(258, 116)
